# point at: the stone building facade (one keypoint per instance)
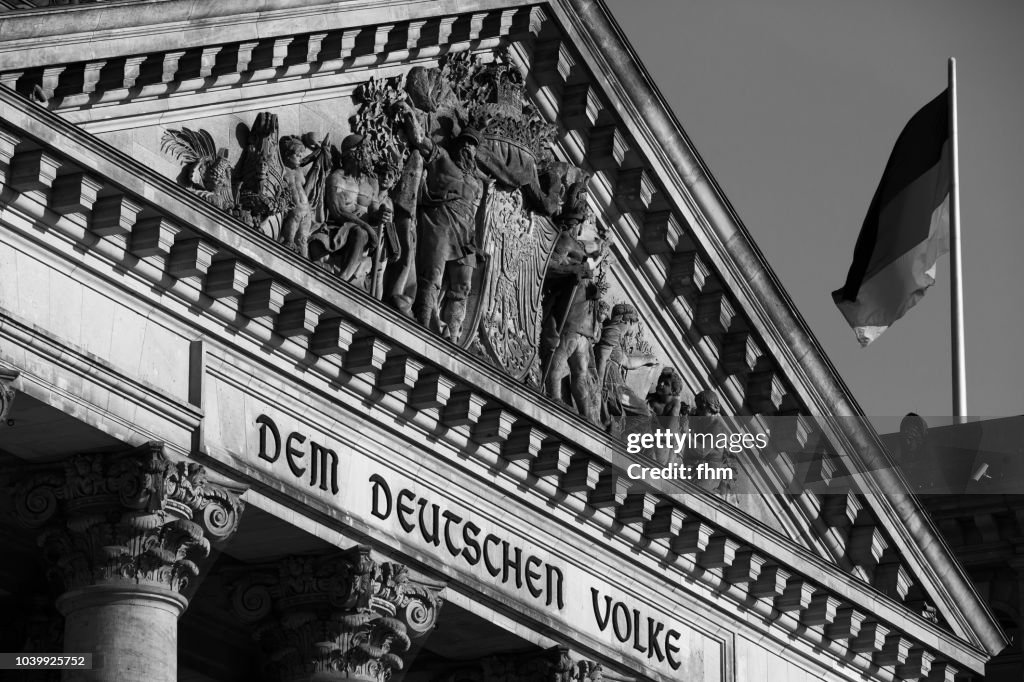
(320, 324)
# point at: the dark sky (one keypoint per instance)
(795, 105)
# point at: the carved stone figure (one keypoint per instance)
(707, 404)
(439, 114)
(356, 211)
(303, 193)
(261, 192)
(207, 171)
(613, 361)
(666, 399)
(451, 195)
(574, 316)
(437, 206)
(517, 138)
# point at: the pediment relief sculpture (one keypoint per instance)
(445, 200)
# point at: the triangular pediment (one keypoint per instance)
(709, 305)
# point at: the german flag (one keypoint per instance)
(906, 229)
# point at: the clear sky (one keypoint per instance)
(795, 105)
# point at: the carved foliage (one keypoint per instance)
(341, 613)
(133, 517)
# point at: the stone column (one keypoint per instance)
(124, 535)
(341, 616)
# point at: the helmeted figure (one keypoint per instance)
(438, 112)
(446, 224)
(573, 317)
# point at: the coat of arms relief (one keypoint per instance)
(447, 201)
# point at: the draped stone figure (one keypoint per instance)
(439, 114)
(452, 191)
(574, 314)
(356, 209)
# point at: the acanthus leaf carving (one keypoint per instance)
(134, 516)
(338, 613)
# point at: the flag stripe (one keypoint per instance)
(888, 294)
(906, 220)
(918, 149)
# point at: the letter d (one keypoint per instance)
(381, 492)
(267, 425)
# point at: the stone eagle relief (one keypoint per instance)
(445, 201)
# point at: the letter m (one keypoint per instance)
(319, 456)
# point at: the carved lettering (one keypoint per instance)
(472, 551)
(492, 568)
(318, 462)
(323, 468)
(432, 536)
(292, 453)
(626, 625)
(404, 508)
(626, 631)
(381, 492)
(502, 559)
(507, 563)
(267, 425)
(671, 649)
(449, 519)
(532, 574)
(636, 632)
(555, 580)
(602, 620)
(654, 629)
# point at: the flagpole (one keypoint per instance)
(956, 267)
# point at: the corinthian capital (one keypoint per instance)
(340, 615)
(133, 517)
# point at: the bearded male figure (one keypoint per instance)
(355, 206)
(451, 194)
